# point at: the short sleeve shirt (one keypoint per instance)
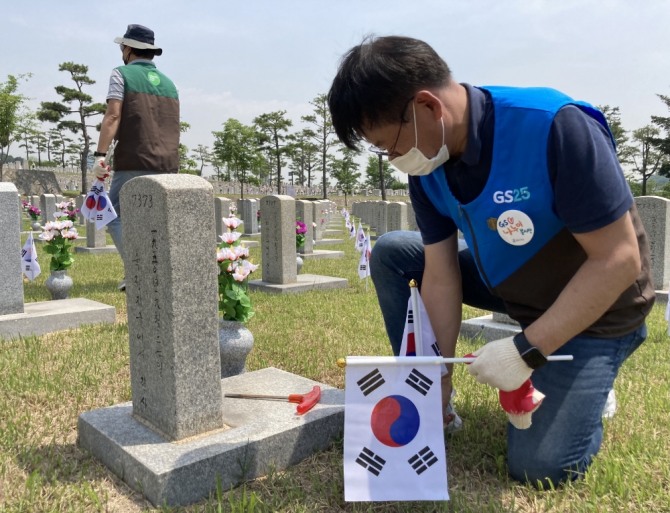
(590, 190)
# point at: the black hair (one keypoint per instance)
(377, 78)
(143, 53)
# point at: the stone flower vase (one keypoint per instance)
(58, 284)
(36, 226)
(299, 262)
(235, 343)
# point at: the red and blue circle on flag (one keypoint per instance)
(395, 421)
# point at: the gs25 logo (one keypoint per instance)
(511, 195)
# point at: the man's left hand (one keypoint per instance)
(500, 365)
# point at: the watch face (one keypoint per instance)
(534, 358)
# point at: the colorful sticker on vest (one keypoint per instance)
(153, 78)
(515, 227)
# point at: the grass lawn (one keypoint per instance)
(47, 381)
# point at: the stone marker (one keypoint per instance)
(221, 210)
(279, 252)
(11, 297)
(48, 207)
(172, 298)
(79, 202)
(396, 216)
(96, 241)
(21, 320)
(303, 212)
(179, 438)
(247, 208)
(655, 215)
(278, 239)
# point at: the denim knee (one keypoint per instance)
(544, 473)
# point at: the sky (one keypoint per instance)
(242, 59)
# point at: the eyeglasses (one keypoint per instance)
(391, 150)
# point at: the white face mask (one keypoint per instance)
(414, 162)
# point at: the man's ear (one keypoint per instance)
(428, 100)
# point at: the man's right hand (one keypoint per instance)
(100, 169)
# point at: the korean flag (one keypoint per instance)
(393, 440)
(97, 207)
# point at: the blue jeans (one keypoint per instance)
(567, 429)
(114, 228)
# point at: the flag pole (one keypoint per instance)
(416, 316)
(436, 360)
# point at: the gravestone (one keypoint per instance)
(180, 438)
(221, 210)
(303, 212)
(96, 241)
(396, 216)
(279, 253)
(655, 215)
(381, 218)
(79, 202)
(278, 239)
(48, 207)
(247, 210)
(21, 320)
(174, 360)
(11, 298)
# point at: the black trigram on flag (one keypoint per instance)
(370, 382)
(436, 349)
(371, 462)
(422, 460)
(419, 382)
(410, 316)
(362, 267)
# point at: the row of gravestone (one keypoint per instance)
(320, 212)
(385, 216)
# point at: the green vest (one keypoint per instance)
(148, 131)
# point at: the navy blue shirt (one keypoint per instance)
(590, 190)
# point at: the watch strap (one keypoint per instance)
(99, 154)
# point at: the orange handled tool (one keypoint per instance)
(305, 401)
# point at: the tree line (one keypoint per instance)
(269, 148)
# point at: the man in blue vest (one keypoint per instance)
(142, 115)
(531, 178)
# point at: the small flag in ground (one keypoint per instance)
(393, 439)
(360, 238)
(427, 346)
(364, 262)
(29, 265)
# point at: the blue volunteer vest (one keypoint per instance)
(501, 239)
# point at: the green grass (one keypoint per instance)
(46, 382)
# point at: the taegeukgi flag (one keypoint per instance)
(29, 265)
(393, 439)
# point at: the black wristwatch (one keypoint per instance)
(530, 354)
(99, 154)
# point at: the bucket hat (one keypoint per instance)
(140, 37)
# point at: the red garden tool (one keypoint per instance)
(305, 401)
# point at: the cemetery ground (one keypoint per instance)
(46, 382)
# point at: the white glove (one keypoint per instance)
(500, 365)
(100, 168)
(520, 404)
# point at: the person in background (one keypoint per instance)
(143, 116)
(531, 178)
